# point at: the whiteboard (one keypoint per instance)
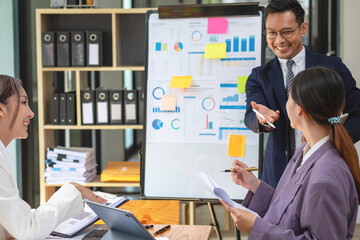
(194, 137)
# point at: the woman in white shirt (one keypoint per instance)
(17, 219)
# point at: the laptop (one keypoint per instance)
(122, 223)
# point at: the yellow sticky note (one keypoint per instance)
(168, 103)
(242, 83)
(181, 81)
(236, 145)
(215, 50)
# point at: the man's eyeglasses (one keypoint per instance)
(285, 33)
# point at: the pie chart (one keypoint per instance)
(178, 46)
(157, 124)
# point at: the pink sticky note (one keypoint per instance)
(217, 26)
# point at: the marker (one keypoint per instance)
(270, 123)
(249, 169)
(161, 230)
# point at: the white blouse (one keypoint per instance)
(18, 220)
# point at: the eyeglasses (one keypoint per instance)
(285, 33)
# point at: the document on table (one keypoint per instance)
(218, 192)
(84, 219)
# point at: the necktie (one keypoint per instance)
(291, 133)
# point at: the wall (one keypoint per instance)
(349, 43)
(7, 65)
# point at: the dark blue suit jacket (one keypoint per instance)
(265, 86)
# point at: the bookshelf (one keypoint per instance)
(123, 49)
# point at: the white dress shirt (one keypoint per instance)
(298, 66)
(308, 151)
(18, 220)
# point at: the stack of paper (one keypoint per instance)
(70, 165)
(84, 219)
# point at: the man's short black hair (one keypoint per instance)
(279, 6)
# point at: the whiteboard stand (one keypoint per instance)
(215, 223)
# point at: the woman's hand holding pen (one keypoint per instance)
(244, 178)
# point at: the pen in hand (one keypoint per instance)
(260, 115)
(161, 230)
(249, 169)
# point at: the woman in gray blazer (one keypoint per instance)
(318, 195)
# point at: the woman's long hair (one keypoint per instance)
(321, 93)
(8, 87)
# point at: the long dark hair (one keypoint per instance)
(321, 93)
(8, 87)
(280, 6)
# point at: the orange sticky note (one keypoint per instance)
(180, 82)
(168, 103)
(236, 145)
(215, 50)
(217, 26)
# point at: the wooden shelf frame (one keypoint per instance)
(45, 89)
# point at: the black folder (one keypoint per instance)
(48, 49)
(63, 49)
(102, 106)
(62, 108)
(130, 107)
(55, 109)
(94, 48)
(87, 107)
(77, 49)
(70, 108)
(141, 106)
(116, 106)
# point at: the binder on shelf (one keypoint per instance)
(48, 49)
(62, 108)
(94, 48)
(70, 108)
(116, 107)
(63, 49)
(87, 107)
(102, 106)
(130, 106)
(141, 97)
(77, 49)
(55, 109)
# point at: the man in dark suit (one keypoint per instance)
(266, 87)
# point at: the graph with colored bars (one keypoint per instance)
(209, 125)
(160, 46)
(234, 98)
(243, 47)
(157, 110)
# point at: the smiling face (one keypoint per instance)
(13, 129)
(282, 47)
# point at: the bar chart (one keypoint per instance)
(245, 45)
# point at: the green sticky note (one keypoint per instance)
(215, 50)
(242, 83)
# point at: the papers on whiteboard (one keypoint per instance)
(218, 192)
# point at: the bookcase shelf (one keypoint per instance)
(123, 33)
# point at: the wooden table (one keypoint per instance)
(184, 232)
(176, 232)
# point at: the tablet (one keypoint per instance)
(123, 224)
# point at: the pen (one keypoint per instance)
(250, 169)
(149, 226)
(270, 123)
(161, 230)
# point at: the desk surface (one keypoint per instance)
(188, 232)
(177, 232)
